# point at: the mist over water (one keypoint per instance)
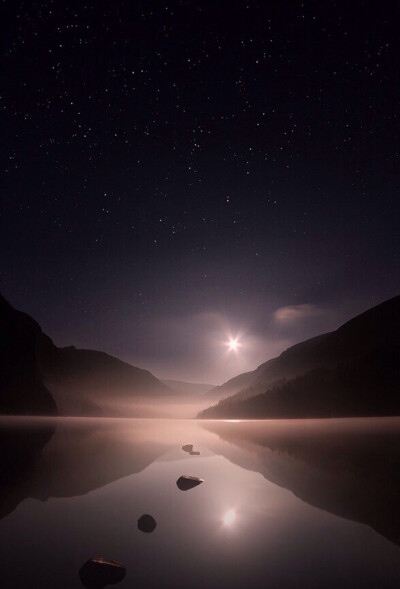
(171, 407)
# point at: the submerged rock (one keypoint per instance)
(97, 573)
(189, 449)
(146, 523)
(186, 482)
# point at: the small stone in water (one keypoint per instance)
(146, 523)
(186, 482)
(189, 449)
(97, 573)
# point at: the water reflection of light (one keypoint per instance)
(229, 517)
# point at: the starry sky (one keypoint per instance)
(175, 172)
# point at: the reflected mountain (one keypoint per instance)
(21, 445)
(65, 458)
(348, 467)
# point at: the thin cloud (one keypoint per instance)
(293, 314)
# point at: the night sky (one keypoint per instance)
(175, 171)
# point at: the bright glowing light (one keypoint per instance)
(229, 517)
(233, 344)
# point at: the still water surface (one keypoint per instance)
(301, 503)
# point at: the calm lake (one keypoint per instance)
(297, 503)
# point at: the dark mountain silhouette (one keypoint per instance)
(291, 362)
(187, 388)
(82, 382)
(232, 386)
(348, 467)
(354, 370)
(89, 382)
(21, 387)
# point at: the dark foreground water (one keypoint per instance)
(309, 503)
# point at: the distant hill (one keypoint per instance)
(90, 382)
(297, 359)
(187, 388)
(231, 387)
(82, 382)
(354, 370)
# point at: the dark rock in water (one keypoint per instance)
(189, 449)
(147, 523)
(186, 482)
(97, 573)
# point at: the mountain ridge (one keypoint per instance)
(21, 386)
(364, 345)
(182, 387)
(78, 381)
